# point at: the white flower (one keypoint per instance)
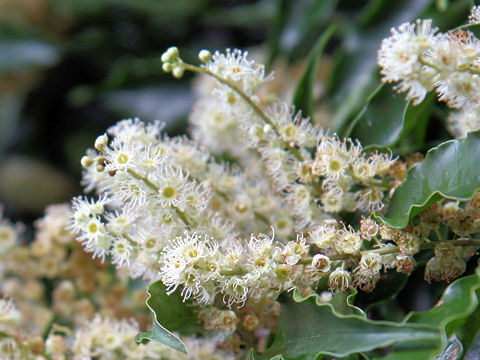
(172, 186)
(401, 58)
(234, 66)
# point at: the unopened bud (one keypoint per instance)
(101, 142)
(178, 71)
(171, 55)
(86, 161)
(204, 56)
(167, 67)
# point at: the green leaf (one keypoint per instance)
(386, 117)
(278, 22)
(470, 331)
(453, 351)
(168, 312)
(343, 303)
(309, 328)
(303, 99)
(457, 304)
(449, 170)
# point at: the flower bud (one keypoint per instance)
(86, 161)
(444, 250)
(204, 56)
(167, 67)
(178, 71)
(433, 270)
(171, 55)
(101, 142)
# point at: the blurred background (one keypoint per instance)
(71, 68)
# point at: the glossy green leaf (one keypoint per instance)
(457, 303)
(456, 306)
(303, 98)
(169, 314)
(309, 328)
(387, 117)
(344, 303)
(470, 331)
(449, 170)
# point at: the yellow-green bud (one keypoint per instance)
(173, 51)
(165, 57)
(178, 71)
(86, 161)
(171, 55)
(204, 56)
(101, 142)
(167, 67)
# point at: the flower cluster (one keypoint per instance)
(194, 213)
(254, 269)
(420, 59)
(84, 294)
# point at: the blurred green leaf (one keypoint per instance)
(254, 14)
(449, 170)
(303, 98)
(278, 22)
(169, 314)
(23, 55)
(303, 22)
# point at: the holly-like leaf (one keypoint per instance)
(169, 314)
(309, 328)
(457, 304)
(449, 170)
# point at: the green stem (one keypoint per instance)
(249, 101)
(154, 187)
(394, 249)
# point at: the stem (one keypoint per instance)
(154, 187)
(137, 176)
(249, 101)
(394, 249)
